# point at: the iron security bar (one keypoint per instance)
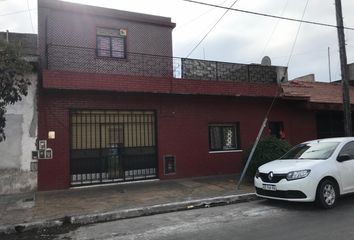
(112, 146)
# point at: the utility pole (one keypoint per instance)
(344, 69)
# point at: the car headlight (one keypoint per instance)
(257, 174)
(297, 174)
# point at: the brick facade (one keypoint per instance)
(182, 128)
(124, 83)
(62, 26)
(74, 78)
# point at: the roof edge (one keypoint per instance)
(106, 12)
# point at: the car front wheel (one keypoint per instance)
(326, 196)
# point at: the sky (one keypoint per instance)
(238, 37)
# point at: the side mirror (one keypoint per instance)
(343, 157)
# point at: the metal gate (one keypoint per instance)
(112, 146)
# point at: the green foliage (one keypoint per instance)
(268, 149)
(13, 81)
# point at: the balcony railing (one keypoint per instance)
(80, 59)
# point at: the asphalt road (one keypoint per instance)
(253, 220)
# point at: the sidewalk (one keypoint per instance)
(22, 212)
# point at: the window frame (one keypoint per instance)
(110, 50)
(344, 150)
(236, 129)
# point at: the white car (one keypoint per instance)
(319, 170)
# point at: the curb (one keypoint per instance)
(129, 213)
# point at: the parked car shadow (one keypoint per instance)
(342, 203)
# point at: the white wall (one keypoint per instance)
(15, 151)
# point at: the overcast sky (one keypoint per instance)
(239, 37)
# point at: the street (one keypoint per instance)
(259, 219)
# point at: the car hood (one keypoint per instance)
(288, 165)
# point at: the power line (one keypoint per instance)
(13, 13)
(276, 96)
(268, 15)
(296, 36)
(211, 29)
(29, 12)
(313, 52)
(290, 56)
(196, 18)
(274, 28)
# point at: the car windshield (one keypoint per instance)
(313, 150)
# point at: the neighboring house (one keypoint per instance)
(351, 75)
(114, 105)
(324, 100)
(17, 170)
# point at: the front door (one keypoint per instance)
(112, 146)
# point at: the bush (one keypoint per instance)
(268, 149)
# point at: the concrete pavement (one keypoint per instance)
(266, 220)
(23, 212)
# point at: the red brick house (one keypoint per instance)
(114, 105)
(324, 100)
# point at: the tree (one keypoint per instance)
(14, 80)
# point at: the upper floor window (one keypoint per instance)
(223, 137)
(111, 42)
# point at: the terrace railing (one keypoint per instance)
(81, 59)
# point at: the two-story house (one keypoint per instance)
(115, 105)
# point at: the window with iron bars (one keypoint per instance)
(224, 137)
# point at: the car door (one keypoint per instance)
(346, 168)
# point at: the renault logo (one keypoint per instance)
(270, 176)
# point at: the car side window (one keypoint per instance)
(348, 149)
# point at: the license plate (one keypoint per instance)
(269, 187)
